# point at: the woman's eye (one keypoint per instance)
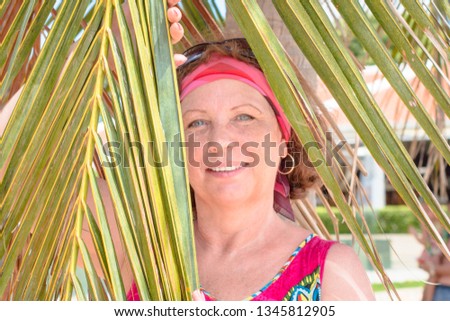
(244, 117)
(196, 123)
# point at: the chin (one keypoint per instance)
(230, 198)
(227, 197)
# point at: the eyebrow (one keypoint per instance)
(247, 105)
(194, 110)
(233, 108)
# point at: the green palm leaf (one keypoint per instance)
(60, 133)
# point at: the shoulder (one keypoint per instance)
(341, 251)
(344, 277)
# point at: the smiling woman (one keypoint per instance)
(255, 108)
(245, 165)
(73, 68)
(231, 114)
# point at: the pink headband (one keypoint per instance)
(222, 67)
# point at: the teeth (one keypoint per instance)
(225, 169)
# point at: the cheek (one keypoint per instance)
(264, 155)
(269, 146)
(194, 154)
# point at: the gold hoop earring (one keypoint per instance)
(291, 169)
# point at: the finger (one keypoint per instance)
(179, 59)
(198, 295)
(176, 32)
(174, 15)
(172, 3)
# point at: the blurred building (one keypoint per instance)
(432, 166)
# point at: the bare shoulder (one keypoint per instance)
(343, 252)
(344, 277)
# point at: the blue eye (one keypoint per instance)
(196, 123)
(244, 117)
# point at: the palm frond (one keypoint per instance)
(52, 144)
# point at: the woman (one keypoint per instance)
(245, 166)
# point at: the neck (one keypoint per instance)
(228, 228)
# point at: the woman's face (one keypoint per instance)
(234, 143)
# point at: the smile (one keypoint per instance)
(227, 168)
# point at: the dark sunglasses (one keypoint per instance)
(196, 52)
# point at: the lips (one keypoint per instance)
(227, 169)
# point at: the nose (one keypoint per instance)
(220, 144)
(219, 137)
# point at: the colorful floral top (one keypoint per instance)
(299, 279)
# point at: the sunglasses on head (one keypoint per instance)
(196, 52)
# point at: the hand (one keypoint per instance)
(198, 295)
(176, 29)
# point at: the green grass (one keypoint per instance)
(378, 287)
